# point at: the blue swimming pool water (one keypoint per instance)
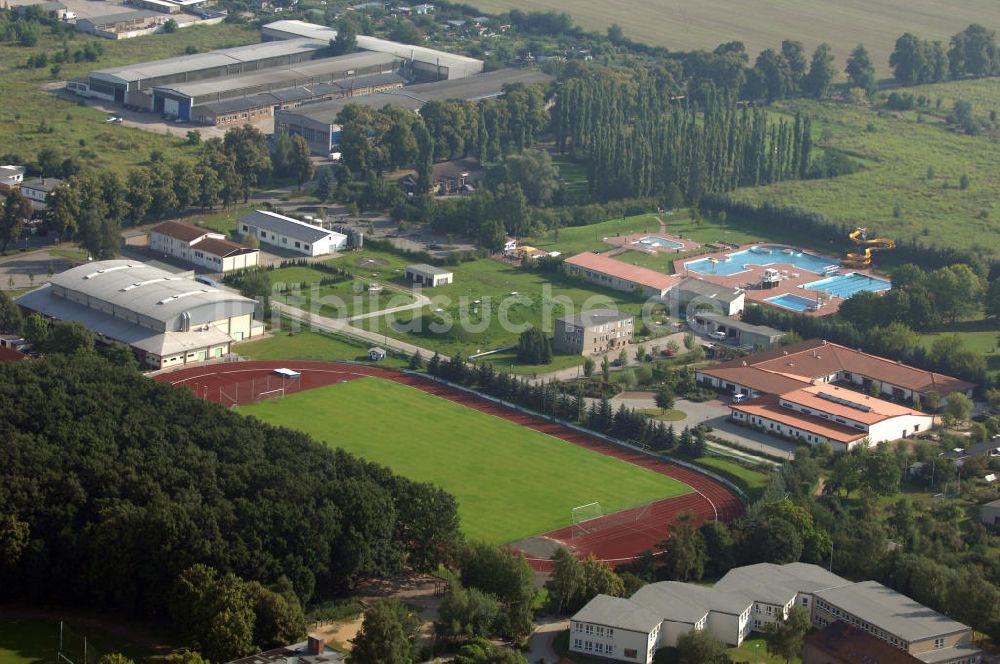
(762, 255)
(659, 242)
(793, 302)
(846, 285)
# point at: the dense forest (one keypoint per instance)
(113, 485)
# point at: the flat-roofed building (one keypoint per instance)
(182, 99)
(168, 320)
(123, 25)
(424, 63)
(290, 234)
(11, 177)
(590, 332)
(317, 123)
(161, 6)
(749, 599)
(699, 295)
(132, 84)
(738, 333)
(201, 247)
(619, 275)
(429, 276)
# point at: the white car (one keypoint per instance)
(717, 335)
(739, 397)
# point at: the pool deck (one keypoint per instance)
(750, 279)
(626, 242)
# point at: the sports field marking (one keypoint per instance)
(510, 481)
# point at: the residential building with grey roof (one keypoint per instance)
(749, 598)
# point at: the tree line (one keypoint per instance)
(119, 486)
(638, 140)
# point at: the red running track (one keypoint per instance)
(613, 538)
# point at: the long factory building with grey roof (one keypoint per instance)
(317, 123)
(167, 319)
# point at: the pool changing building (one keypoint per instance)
(168, 320)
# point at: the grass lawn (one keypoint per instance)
(893, 194)
(310, 346)
(220, 221)
(454, 322)
(36, 641)
(80, 131)
(510, 481)
(751, 481)
(508, 361)
(979, 336)
(754, 650)
(340, 300)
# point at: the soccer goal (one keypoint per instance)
(582, 514)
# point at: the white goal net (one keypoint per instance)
(582, 514)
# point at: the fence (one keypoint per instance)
(252, 390)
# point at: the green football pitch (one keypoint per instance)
(510, 481)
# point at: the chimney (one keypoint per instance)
(315, 646)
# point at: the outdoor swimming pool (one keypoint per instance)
(793, 302)
(763, 255)
(846, 285)
(659, 242)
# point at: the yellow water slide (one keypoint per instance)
(859, 237)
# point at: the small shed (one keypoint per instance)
(287, 373)
(375, 354)
(428, 275)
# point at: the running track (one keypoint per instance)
(613, 538)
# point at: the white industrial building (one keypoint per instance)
(428, 275)
(201, 247)
(748, 598)
(424, 63)
(167, 319)
(699, 295)
(291, 234)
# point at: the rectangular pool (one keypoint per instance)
(763, 255)
(659, 242)
(846, 285)
(793, 302)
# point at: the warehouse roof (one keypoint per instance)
(44, 301)
(279, 223)
(332, 68)
(120, 17)
(143, 289)
(619, 613)
(891, 611)
(687, 602)
(199, 61)
(413, 97)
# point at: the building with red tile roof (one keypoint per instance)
(619, 275)
(201, 246)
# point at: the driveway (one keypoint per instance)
(540, 643)
(716, 414)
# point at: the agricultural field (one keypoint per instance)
(909, 188)
(79, 131)
(510, 481)
(760, 24)
(36, 641)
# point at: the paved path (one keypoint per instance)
(421, 301)
(540, 643)
(716, 414)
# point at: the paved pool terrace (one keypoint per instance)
(653, 243)
(796, 268)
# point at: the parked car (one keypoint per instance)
(718, 335)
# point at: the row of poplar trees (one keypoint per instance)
(639, 140)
